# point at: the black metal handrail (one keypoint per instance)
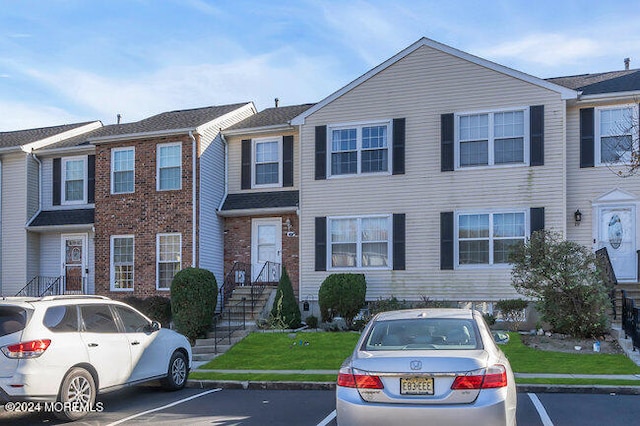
(42, 286)
(269, 274)
(240, 275)
(609, 276)
(226, 316)
(630, 316)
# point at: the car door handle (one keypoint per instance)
(135, 343)
(93, 345)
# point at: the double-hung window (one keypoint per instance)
(169, 256)
(122, 252)
(359, 149)
(169, 160)
(267, 168)
(492, 138)
(122, 170)
(489, 238)
(360, 242)
(614, 130)
(74, 178)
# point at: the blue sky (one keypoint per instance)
(64, 61)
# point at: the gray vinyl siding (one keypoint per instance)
(211, 187)
(33, 186)
(50, 255)
(421, 87)
(14, 216)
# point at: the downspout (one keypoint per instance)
(193, 195)
(226, 170)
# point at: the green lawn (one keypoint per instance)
(326, 351)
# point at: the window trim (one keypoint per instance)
(113, 151)
(358, 243)
(635, 138)
(491, 139)
(63, 180)
(158, 236)
(112, 270)
(490, 212)
(254, 143)
(158, 149)
(358, 125)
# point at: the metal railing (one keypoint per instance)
(223, 324)
(240, 275)
(630, 317)
(269, 274)
(42, 286)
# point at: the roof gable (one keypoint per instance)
(43, 136)
(270, 117)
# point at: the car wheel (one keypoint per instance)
(177, 372)
(77, 395)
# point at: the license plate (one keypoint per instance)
(416, 385)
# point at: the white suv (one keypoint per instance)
(66, 349)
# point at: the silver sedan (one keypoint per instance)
(426, 367)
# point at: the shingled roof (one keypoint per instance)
(22, 137)
(600, 83)
(271, 117)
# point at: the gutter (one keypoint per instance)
(263, 129)
(608, 96)
(193, 195)
(226, 171)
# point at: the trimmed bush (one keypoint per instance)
(285, 311)
(342, 295)
(312, 321)
(194, 294)
(512, 311)
(158, 308)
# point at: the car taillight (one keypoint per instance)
(349, 379)
(492, 377)
(31, 349)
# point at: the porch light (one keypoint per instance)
(577, 217)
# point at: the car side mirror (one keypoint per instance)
(153, 327)
(500, 337)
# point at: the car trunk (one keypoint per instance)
(420, 377)
(12, 323)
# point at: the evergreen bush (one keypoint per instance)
(194, 295)
(285, 311)
(342, 295)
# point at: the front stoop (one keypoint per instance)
(633, 292)
(206, 349)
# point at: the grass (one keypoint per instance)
(327, 351)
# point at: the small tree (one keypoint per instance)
(285, 310)
(564, 279)
(194, 295)
(512, 311)
(342, 295)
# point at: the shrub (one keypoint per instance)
(285, 311)
(158, 308)
(564, 278)
(194, 294)
(311, 321)
(512, 311)
(342, 295)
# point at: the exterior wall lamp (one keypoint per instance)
(577, 216)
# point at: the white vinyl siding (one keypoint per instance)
(122, 262)
(74, 180)
(169, 173)
(122, 170)
(169, 257)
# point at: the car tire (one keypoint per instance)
(77, 395)
(177, 372)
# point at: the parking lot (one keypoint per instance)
(149, 405)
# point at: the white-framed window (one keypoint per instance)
(492, 138)
(122, 262)
(169, 160)
(122, 170)
(359, 148)
(267, 162)
(488, 238)
(74, 180)
(615, 135)
(359, 242)
(169, 257)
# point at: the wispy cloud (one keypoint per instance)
(15, 116)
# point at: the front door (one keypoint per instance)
(266, 246)
(617, 232)
(73, 262)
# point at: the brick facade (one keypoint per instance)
(237, 244)
(144, 214)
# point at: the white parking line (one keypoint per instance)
(164, 406)
(328, 419)
(544, 417)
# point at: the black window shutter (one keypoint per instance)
(57, 180)
(536, 217)
(321, 243)
(91, 179)
(398, 145)
(399, 244)
(536, 135)
(587, 138)
(446, 143)
(321, 152)
(287, 161)
(446, 240)
(245, 171)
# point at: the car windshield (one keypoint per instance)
(422, 333)
(12, 319)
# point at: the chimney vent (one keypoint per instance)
(627, 62)
(119, 117)
(277, 101)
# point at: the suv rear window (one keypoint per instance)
(12, 319)
(61, 318)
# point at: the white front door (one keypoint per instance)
(617, 232)
(74, 249)
(266, 246)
